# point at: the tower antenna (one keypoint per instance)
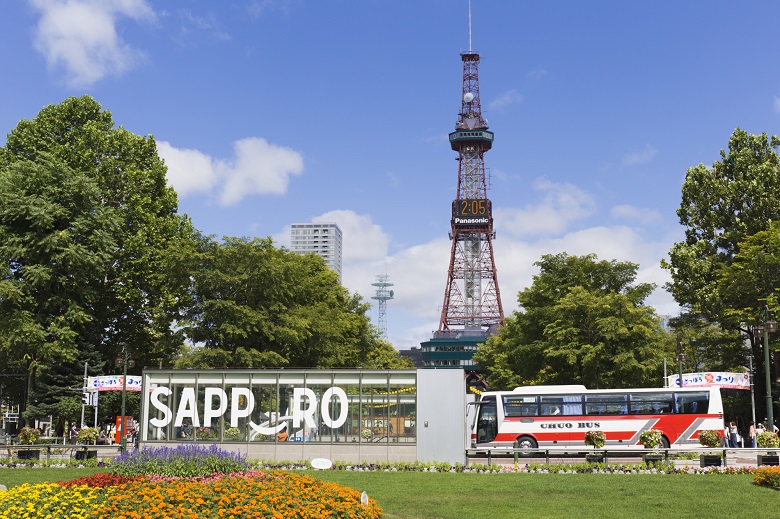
(469, 25)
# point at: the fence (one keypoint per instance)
(707, 456)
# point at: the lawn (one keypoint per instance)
(476, 496)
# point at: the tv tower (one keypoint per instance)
(472, 300)
(383, 295)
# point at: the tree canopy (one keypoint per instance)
(725, 273)
(582, 321)
(256, 305)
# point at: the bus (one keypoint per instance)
(559, 416)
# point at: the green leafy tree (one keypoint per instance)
(724, 271)
(582, 321)
(57, 240)
(116, 184)
(268, 307)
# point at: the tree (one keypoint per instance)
(581, 322)
(142, 292)
(135, 295)
(721, 206)
(722, 273)
(57, 241)
(268, 307)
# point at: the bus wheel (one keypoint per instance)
(526, 442)
(664, 442)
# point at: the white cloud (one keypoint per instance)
(80, 37)
(558, 205)
(640, 157)
(537, 73)
(258, 168)
(638, 214)
(189, 171)
(506, 99)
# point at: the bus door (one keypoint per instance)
(487, 421)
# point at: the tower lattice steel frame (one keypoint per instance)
(472, 299)
(383, 295)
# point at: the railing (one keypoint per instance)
(59, 450)
(577, 452)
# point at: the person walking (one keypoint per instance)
(733, 435)
(752, 435)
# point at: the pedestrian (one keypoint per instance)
(73, 435)
(733, 435)
(752, 435)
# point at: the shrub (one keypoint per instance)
(651, 438)
(29, 435)
(595, 438)
(233, 433)
(709, 438)
(87, 435)
(768, 440)
(767, 477)
(182, 461)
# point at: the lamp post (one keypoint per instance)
(125, 360)
(766, 326)
(680, 359)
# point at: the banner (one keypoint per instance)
(721, 379)
(113, 383)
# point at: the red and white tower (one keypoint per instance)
(472, 300)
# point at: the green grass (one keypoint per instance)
(411, 495)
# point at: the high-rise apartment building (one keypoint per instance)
(323, 239)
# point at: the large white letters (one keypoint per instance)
(235, 411)
(304, 407)
(164, 409)
(342, 396)
(210, 412)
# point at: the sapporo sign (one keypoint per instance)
(216, 402)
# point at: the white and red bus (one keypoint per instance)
(550, 416)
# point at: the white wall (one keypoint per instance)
(441, 415)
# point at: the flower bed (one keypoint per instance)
(767, 477)
(255, 495)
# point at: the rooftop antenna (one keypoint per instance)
(469, 25)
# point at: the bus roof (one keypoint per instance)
(580, 389)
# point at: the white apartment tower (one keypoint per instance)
(323, 239)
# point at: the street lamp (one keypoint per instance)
(767, 326)
(124, 360)
(680, 359)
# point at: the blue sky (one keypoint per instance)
(272, 112)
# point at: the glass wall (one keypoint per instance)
(323, 406)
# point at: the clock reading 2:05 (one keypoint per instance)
(472, 211)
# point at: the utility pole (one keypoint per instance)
(83, 391)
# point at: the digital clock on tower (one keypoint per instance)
(471, 212)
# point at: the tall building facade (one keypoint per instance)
(323, 239)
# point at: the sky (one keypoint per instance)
(273, 112)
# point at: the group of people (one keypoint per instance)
(732, 435)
